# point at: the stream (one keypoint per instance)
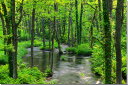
(67, 69)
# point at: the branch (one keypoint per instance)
(2, 19)
(21, 14)
(98, 40)
(4, 8)
(90, 6)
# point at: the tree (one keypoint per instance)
(81, 19)
(107, 42)
(77, 23)
(118, 27)
(32, 33)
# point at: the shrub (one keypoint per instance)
(45, 48)
(37, 43)
(82, 49)
(63, 58)
(25, 76)
(71, 50)
(98, 66)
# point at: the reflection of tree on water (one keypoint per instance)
(44, 63)
(64, 70)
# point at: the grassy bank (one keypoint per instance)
(26, 75)
(82, 49)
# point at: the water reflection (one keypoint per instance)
(71, 69)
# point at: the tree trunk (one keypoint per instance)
(81, 17)
(107, 41)
(14, 39)
(32, 35)
(77, 24)
(4, 32)
(43, 29)
(91, 29)
(119, 22)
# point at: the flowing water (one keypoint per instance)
(67, 69)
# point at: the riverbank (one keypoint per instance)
(67, 69)
(26, 75)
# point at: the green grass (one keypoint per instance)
(82, 49)
(21, 50)
(25, 76)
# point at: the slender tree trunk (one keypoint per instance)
(77, 24)
(50, 33)
(32, 35)
(14, 39)
(69, 28)
(81, 17)
(91, 29)
(107, 45)
(99, 5)
(119, 22)
(4, 32)
(43, 29)
(56, 27)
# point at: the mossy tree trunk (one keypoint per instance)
(119, 22)
(32, 34)
(107, 42)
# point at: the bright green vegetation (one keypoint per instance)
(87, 28)
(21, 50)
(63, 58)
(26, 76)
(97, 60)
(82, 49)
(47, 46)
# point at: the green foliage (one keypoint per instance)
(21, 50)
(48, 71)
(82, 49)
(82, 74)
(37, 43)
(98, 67)
(3, 58)
(47, 46)
(64, 58)
(24, 35)
(25, 76)
(72, 50)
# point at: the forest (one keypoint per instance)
(63, 42)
